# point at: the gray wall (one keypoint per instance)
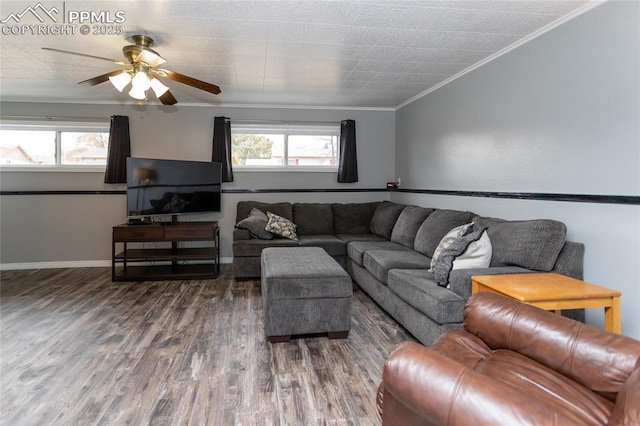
(559, 114)
(76, 229)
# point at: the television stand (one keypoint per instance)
(166, 263)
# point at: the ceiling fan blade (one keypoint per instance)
(167, 98)
(189, 81)
(115, 61)
(100, 79)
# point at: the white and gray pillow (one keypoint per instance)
(466, 246)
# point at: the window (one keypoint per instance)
(285, 147)
(34, 145)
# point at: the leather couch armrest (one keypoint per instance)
(627, 410)
(597, 359)
(422, 386)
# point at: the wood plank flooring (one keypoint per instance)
(77, 349)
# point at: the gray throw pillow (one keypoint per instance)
(255, 223)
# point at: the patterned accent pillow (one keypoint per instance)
(460, 249)
(281, 226)
(477, 255)
(255, 224)
(449, 238)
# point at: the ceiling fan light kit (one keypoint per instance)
(120, 81)
(141, 62)
(140, 81)
(138, 94)
(158, 88)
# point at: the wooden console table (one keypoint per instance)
(170, 263)
(553, 292)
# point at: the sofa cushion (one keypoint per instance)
(385, 218)
(249, 248)
(418, 288)
(533, 244)
(255, 224)
(281, 226)
(436, 226)
(357, 249)
(330, 243)
(359, 237)
(379, 262)
(353, 218)
(313, 219)
(243, 209)
(407, 225)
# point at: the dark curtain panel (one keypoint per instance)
(348, 166)
(222, 146)
(119, 150)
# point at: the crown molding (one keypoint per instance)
(197, 104)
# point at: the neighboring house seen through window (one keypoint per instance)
(53, 145)
(293, 147)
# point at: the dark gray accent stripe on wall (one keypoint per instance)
(574, 198)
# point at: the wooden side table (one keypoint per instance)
(553, 292)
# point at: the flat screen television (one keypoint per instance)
(172, 187)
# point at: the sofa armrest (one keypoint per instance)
(422, 386)
(241, 234)
(570, 261)
(600, 360)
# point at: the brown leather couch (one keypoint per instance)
(513, 364)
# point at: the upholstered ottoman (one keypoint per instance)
(304, 290)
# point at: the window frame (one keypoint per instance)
(58, 127)
(288, 130)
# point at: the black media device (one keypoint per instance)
(157, 188)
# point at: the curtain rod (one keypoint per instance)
(51, 118)
(311, 123)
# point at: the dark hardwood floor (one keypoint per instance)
(77, 349)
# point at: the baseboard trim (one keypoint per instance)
(71, 264)
(56, 265)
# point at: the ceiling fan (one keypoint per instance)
(141, 72)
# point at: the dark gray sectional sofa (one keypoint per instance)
(387, 249)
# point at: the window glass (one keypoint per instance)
(257, 149)
(27, 147)
(54, 145)
(285, 147)
(84, 147)
(313, 150)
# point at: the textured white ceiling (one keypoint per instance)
(314, 53)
